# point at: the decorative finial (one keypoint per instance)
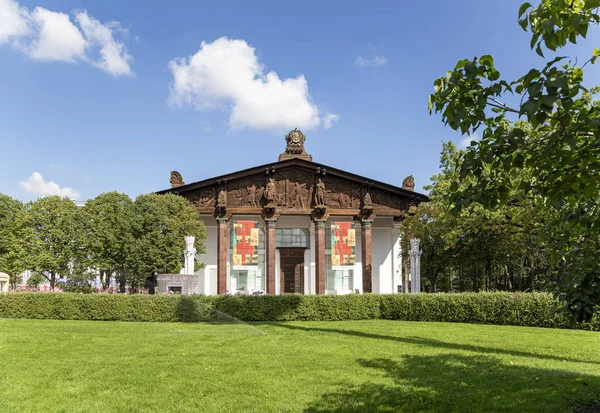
(176, 179)
(295, 146)
(409, 183)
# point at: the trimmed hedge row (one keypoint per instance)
(520, 309)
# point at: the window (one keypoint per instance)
(292, 238)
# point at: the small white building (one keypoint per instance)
(4, 281)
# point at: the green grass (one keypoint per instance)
(386, 366)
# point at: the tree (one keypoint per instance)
(12, 254)
(479, 248)
(109, 237)
(559, 145)
(52, 237)
(159, 225)
(34, 280)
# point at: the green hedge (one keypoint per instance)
(520, 309)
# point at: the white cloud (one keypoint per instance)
(114, 58)
(13, 21)
(49, 35)
(36, 185)
(466, 141)
(227, 75)
(329, 120)
(57, 38)
(377, 61)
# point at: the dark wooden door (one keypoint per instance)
(292, 270)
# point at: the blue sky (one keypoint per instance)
(124, 122)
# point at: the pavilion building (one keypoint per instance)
(297, 226)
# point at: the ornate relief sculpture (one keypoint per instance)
(409, 183)
(320, 194)
(176, 179)
(297, 197)
(271, 194)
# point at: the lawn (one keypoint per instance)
(386, 366)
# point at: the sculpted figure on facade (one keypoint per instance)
(271, 194)
(222, 199)
(176, 179)
(252, 195)
(409, 183)
(320, 194)
(367, 202)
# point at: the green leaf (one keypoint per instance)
(523, 8)
(470, 68)
(538, 50)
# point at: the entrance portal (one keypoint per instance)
(292, 271)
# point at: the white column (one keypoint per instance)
(189, 255)
(396, 258)
(312, 271)
(415, 265)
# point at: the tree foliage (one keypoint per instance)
(109, 236)
(557, 148)
(12, 254)
(477, 249)
(53, 235)
(159, 225)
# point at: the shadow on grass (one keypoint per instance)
(437, 343)
(459, 383)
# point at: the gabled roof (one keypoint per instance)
(305, 164)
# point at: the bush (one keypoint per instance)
(522, 309)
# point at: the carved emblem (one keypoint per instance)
(409, 183)
(295, 146)
(271, 194)
(176, 179)
(320, 194)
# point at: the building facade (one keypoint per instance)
(296, 226)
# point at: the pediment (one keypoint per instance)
(297, 186)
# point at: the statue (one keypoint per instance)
(271, 194)
(367, 202)
(409, 183)
(252, 195)
(176, 179)
(320, 194)
(222, 199)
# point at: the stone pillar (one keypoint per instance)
(396, 258)
(221, 256)
(321, 271)
(366, 255)
(270, 259)
(189, 255)
(415, 265)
